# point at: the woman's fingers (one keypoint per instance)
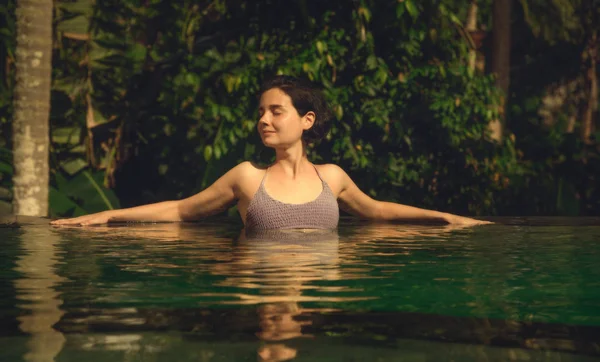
(72, 221)
(93, 219)
(460, 220)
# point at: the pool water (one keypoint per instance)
(523, 289)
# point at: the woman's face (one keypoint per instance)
(279, 123)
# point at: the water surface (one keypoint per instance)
(519, 290)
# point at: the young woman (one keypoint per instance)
(291, 193)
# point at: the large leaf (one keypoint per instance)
(61, 205)
(69, 135)
(82, 7)
(81, 194)
(98, 197)
(72, 167)
(74, 18)
(76, 25)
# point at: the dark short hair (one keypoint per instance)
(305, 97)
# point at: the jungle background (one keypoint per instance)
(478, 107)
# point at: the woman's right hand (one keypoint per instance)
(99, 218)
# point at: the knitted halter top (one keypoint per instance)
(264, 212)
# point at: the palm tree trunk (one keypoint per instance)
(32, 107)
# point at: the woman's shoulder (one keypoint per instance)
(330, 169)
(333, 174)
(245, 176)
(248, 169)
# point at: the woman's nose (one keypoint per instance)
(264, 119)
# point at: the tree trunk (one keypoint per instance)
(471, 27)
(32, 107)
(590, 105)
(501, 59)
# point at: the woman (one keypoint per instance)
(291, 193)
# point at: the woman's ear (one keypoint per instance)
(308, 120)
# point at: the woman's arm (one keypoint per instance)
(161, 211)
(356, 202)
(213, 199)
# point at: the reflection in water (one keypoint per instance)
(37, 295)
(283, 261)
(277, 323)
(274, 270)
(288, 287)
(288, 263)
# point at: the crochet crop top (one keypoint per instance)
(264, 212)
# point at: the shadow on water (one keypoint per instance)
(208, 292)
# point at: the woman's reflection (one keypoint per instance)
(277, 324)
(283, 264)
(286, 264)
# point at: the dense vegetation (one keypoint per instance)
(155, 99)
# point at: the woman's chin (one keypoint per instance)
(270, 143)
(276, 145)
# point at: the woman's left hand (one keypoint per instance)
(465, 221)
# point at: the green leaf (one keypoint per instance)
(163, 169)
(371, 62)
(66, 135)
(339, 111)
(83, 7)
(100, 60)
(77, 25)
(102, 192)
(400, 8)
(381, 76)
(110, 45)
(73, 166)
(320, 47)
(87, 190)
(6, 168)
(229, 82)
(453, 18)
(98, 118)
(208, 151)
(137, 53)
(411, 8)
(61, 181)
(60, 204)
(365, 13)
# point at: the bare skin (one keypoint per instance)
(280, 127)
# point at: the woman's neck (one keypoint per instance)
(291, 160)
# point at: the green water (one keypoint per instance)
(389, 292)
